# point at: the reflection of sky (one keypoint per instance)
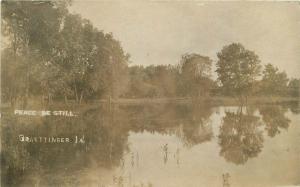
(193, 159)
(201, 164)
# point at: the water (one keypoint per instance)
(156, 145)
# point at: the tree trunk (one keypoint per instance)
(81, 97)
(76, 94)
(66, 99)
(27, 78)
(12, 99)
(42, 99)
(49, 98)
(13, 84)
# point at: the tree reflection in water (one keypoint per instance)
(189, 122)
(240, 137)
(197, 127)
(107, 131)
(294, 107)
(50, 164)
(274, 119)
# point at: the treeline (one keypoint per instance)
(190, 78)
(240, 74)
(52, 54)
(57, 55)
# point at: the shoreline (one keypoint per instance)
(214, 101)
(211, 100)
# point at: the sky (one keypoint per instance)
(160, 32)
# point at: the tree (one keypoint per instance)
(237, 69)
(56, 54)
(195, 75)
(273, 82)
(153, 81)
(294, 87)
(31, 28)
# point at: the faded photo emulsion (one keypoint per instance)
(150, 93)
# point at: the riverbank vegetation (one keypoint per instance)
(52, 55)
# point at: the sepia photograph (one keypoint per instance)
(150, 93)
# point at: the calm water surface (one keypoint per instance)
(156, 145)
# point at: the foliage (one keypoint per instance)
(153, 81)
(195, 75)
(240, 137)
(294, 87)
(273, 82)
(274, 119)
(237, 69)
(190, 78)
(56, 54)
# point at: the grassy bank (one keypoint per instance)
(212, 100)
(254, 100)
(217, 101)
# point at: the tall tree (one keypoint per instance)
(195, 75)
(57, 54)
(237, 69)
(31, 28)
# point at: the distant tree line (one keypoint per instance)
(190, 78)
(52, 54)
(240, 74)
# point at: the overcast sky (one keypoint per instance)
(159, 32)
